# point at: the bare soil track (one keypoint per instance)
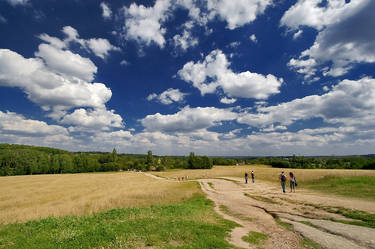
(260, 206)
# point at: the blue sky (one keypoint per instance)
(242, 77)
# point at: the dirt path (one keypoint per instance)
(258, 207)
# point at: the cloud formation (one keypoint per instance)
(106, 11)
(98, 46)
(59, 80)
(144, 24)
(349, 102)
(226, 100)
(16, 124)
(47, 86)
(345, 35)
(187, 120)
(214, 72)
(236, 13)
(167, 97)
(185, 40)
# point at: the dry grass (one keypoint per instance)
(24, 198)
(263, 172)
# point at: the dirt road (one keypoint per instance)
(261, 207)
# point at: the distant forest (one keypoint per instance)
(28, 160)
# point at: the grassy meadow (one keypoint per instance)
(24, 198)
(350, 183)
(263, 172)
(131, 210)
(189, 224)
(357, 186)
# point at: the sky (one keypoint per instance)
(214, 77)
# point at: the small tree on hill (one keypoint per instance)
(149, 158)
(114, 155)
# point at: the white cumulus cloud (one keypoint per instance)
(188, 119)
(16, 124)
(168, 96)
(98, 46)
(348, 103)
(214, 72)
(253, 38)
(46, 87)
(345, 35)
(99, 118)
(185, 40)
(66, 62)
(106, 11)
(237, 13)
(144, 24)
(226, 100)
(297, 34)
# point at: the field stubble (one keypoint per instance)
(24, 198)
(263, 172)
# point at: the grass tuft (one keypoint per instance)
(255, 238)
(261, 198)
(284, 224)
(311, 244)
(211, 185)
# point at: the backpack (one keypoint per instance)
(283, 178)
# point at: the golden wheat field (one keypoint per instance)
(30, 197)
(262, 172)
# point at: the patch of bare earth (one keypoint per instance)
(256, 206)
(262, 202)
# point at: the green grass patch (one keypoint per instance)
(311, 244)
(229, 180)
(284, 224)
(211, 185)
(364, 218)
(354, 186)
(255, 238)
(261, 198)
(189, 224)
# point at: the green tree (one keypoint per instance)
(149, 158)
(114, 155)
(191, 160)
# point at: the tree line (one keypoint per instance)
(28, 160)
(301, 162)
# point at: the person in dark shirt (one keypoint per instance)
(246, 177)
(282, 178)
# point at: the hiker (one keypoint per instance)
(293, 182)
(252, 176)
(282, 178)
(246, 177)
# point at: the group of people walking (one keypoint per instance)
(252, 177)
(282, 178)
(292, 180)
